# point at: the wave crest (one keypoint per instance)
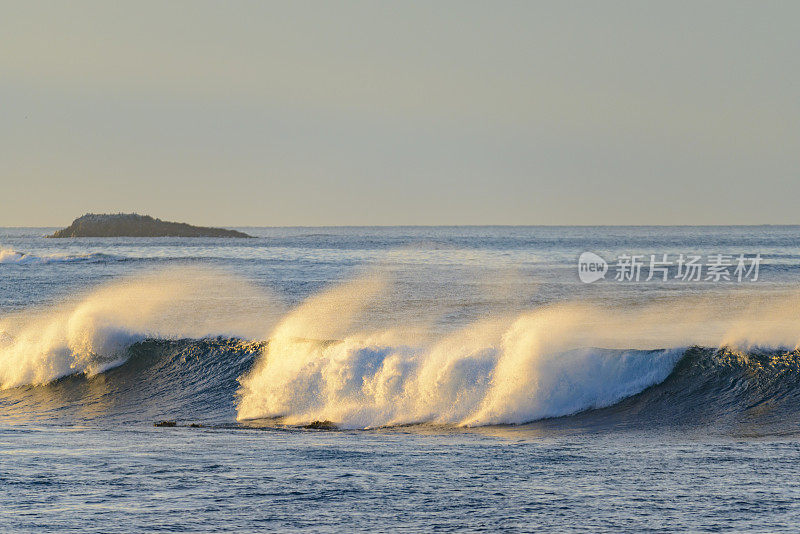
(358, 384)
(544, 363)
(92, 334)
(329, 359)
(10, 256)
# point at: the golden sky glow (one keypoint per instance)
(259, 113)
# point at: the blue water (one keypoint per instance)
(618, 438)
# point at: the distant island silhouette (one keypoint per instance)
(135, 225)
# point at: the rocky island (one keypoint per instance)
(135, 225)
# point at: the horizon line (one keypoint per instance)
(753, 225)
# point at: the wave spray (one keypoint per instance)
(326, 360)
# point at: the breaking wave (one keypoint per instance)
(92, 333)
(138, 350)
(325, 361)
(195, 381)
(15, 257)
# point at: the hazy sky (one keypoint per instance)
(314, 113)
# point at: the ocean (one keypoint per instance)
(413, 379)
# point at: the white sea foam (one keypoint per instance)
(334, 358)
(91, 333)
(322, 364)
(22, 258)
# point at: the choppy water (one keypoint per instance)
(466, 377)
